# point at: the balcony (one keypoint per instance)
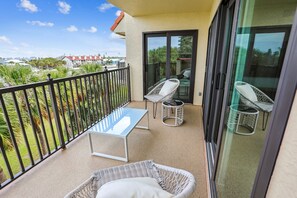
(60, 169)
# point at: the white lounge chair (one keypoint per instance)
(178, 182)
(253, 97)
(162, 92)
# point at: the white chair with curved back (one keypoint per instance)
(162, 92)
(178, 182)
(253, 97)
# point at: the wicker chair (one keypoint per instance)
(253, 97)
(157, 94)
(175, 181)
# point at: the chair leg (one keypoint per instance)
(145, 103)
(155, 106)
(264, 124)
(263, 121)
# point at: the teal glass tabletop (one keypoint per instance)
(120, 122)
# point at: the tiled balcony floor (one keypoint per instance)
(180, 147)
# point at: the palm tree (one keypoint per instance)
(5, 138)
(90, 68)
(16, 75)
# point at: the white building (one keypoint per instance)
(75, 61)
(15, 61)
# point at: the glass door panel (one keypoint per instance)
(171, 55)
(264, 65)
(156, 61)
(181, 64)
(260, 46)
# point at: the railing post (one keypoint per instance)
(56, 111)
(129, 84)
(107, 95)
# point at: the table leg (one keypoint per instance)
(91, 144)
(238, 122)
(144, 127)
(124, 159)
(126, 149)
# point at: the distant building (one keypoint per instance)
(76, 61)
(15, 61)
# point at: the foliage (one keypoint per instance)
(47, 63)
(183, 50)
(58, 72)
(4, 132)
(17, 75)
(185, 46)
(73, 106)
(90, 68)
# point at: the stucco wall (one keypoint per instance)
(214, 8)
(135, 26)
(284, 178)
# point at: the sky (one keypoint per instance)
(52, 28)
(263, 41)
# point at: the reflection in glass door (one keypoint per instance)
(156, 60)
(260, 46)
(171, 55)
(181, 48)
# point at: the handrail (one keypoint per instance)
(43, 117)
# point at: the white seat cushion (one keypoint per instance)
(247, 92)
(139, 187)
(154, 97)
(187, 73)
(167, 88)
(265, 106)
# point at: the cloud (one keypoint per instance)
(64, 7)
(115, 36)
(41, 24)
(118, 13)
(72, 28)
(91, 30)
(4, 39)
(23, 44)
(28, 6)
(105, 6)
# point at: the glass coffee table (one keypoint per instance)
(119, 123)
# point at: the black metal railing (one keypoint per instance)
(36, 120)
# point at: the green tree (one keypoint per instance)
(17, 75)
(185, 46)
(90, 68)
(46, 63)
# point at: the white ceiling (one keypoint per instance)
(152, 7)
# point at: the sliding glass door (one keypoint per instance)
(171, 55)
(241, 84)
(216, 70)
(260, 45)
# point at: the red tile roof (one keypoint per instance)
(117, 21)
(91, 58)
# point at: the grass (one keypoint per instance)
(117, 98)
(11, 154)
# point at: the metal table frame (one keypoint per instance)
(175, 112)
(108, 124)
(242, 115)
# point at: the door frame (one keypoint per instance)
(221, 62)
(168, 34)
(285, 96)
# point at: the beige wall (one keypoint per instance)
(284, 179)
(214, 8)
(135, 26)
